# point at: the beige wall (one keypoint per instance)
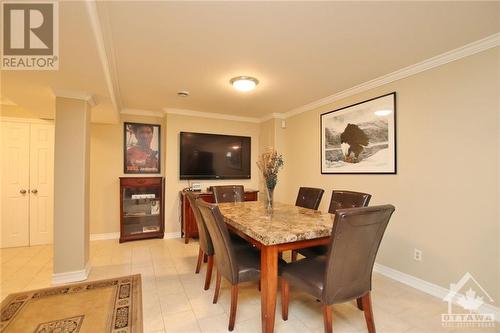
(446, 191)
(106, 162)
(178, 123)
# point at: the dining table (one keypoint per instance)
(272, 231)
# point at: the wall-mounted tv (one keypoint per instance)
(214, 156)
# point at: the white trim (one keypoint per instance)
(213, 115)
(27, 120)
(101, 50)
(439, 60)
(145, 113)
(74, 276)
(272, 116)
(171, 235)
(427, 287)
(105, 236)
(73, 94)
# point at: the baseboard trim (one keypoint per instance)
(105, 236)
(171, 235)
(74, 276)
(116, 235)
(428, 287)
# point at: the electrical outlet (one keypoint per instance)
(417, 255)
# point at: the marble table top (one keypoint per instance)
(286, 224)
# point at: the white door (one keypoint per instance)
(41, 183)
(14, 174)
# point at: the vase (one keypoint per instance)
(270, 198)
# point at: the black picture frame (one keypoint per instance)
(142, 162)
(361, 158)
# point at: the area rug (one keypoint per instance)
(107, 306)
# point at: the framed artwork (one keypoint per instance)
(141, 152)
(360, 138)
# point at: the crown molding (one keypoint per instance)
(74, 94)
(144, 113)
(7, 102)
(212, 115)
(272, 116)
(101, 50)
(439, 60)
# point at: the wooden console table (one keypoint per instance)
(189, 228)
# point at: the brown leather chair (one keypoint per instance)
(206, 246)
(345, 273)
(235, 266)
(348, 199)
(309, 197)
(340, 200)
(229, 193)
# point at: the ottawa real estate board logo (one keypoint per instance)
(469, 305)
(30, 38)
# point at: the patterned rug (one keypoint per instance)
(107, 306)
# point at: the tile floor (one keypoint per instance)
(174, 299)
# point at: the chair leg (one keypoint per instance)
(294, 255)
(198, 264)
(217, 288)
(359, 303)
(284, 298)
(367, 306)
(208, 277)
(327, 318)
(234, 303)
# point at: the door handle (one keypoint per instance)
(23, 191)
(35, 191)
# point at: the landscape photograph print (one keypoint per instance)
(360, 138)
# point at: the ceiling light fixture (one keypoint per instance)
(244, 83)
(183, 93)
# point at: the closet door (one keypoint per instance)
(14, 173)
(41, 183)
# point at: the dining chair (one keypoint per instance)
(345, 273)
(235, 266)
(229, 193)
(206, 246)
(309, 197)
(340, 200)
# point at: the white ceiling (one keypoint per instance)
(299, 51)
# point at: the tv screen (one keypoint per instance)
(214, 156)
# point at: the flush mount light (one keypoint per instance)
(183, 93)
(385, 112)
(244, 83)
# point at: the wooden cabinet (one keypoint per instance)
(189, 228)
(141, 208)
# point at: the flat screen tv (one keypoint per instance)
(214, 156)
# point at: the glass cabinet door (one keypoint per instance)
(141, 210)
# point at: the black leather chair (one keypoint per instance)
(309, 197)
(345, 273)
(235, 266)
(339, 200)
(229, 193)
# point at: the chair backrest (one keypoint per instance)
(225, 259)
(348, 199)
(309, 197)
(229, 193)
(203, 235)
(356, 237)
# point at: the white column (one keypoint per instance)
(71, 190)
